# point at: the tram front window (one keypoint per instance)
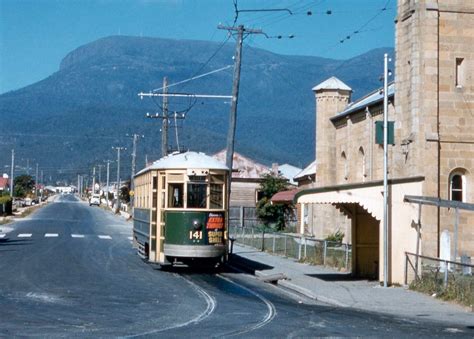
(175, 195)
(217, 196)
(197, 195)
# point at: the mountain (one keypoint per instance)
(70, 120)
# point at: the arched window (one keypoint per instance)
(346, 165)
(361, 168)
(457, 185)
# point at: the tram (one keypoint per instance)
(180, 210)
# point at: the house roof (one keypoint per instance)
(369, 100)
(308, 170)
(243, 167)
(288, 171)
(185, 160)
(332, 83)
(284, 196)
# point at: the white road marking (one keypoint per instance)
(51, 235)
(77, 235)
(104, 236)
(3, 235)
(130, 238)
(24, 235)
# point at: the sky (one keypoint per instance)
(36, 34)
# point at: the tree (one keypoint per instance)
(125, 193)
(23, 185)
(272, 214)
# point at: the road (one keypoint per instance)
(70, 270)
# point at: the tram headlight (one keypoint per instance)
(197, 225)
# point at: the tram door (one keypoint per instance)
(158, 195)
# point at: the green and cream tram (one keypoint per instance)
(180, 210)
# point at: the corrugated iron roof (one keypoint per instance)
(284, 196)
(369, 100)
(243, 167)
(308, 170)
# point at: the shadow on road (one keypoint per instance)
(20, 242)
(336, 277)
(247, 264)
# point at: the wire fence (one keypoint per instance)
(303, 248)
(446, 279)
(247, 217)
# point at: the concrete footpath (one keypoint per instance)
(339, 289)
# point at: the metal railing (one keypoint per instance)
(451, 280)
(303, 248)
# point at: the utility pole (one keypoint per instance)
(108, 171)
(176, 116)
(36, 181)
(164, 129)
(27, 166)
(100, 175)
(93, 180)
(385, 171)
(118, 176)
(134, 156)
(42, 183)
(235, 90)
(12, 173)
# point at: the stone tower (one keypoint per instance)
(434, 91)
(332, 97)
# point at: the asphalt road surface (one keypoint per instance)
(70, 270)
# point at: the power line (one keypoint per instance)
(194, 78)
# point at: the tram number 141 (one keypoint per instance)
(195, 235)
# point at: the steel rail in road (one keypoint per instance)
(210, 307)
(271, 313)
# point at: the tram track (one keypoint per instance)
(271, 310)
(210, 307)
(209, 287)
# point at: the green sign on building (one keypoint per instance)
(379, 132)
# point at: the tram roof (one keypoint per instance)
(184, 161)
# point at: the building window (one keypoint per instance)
(362, 163)
(346, 165)
(459, 72)
(457, 186)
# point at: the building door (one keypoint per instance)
(366, 243)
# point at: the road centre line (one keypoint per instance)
(24, 235)
(51, 235)
(3, 235)
(104, 236)
(77, 235)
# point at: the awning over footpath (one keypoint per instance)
(369, 195)
(402, 236)
(284, 197)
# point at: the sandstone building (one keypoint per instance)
(431, 103)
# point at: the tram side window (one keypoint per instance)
(197, 195)
(216, 199)
(175, 195)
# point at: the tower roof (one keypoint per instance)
(332, 83)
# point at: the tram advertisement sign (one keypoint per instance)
(215, 221)
(215, 228)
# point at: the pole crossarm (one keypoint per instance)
(244, 30)
(183, 95)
